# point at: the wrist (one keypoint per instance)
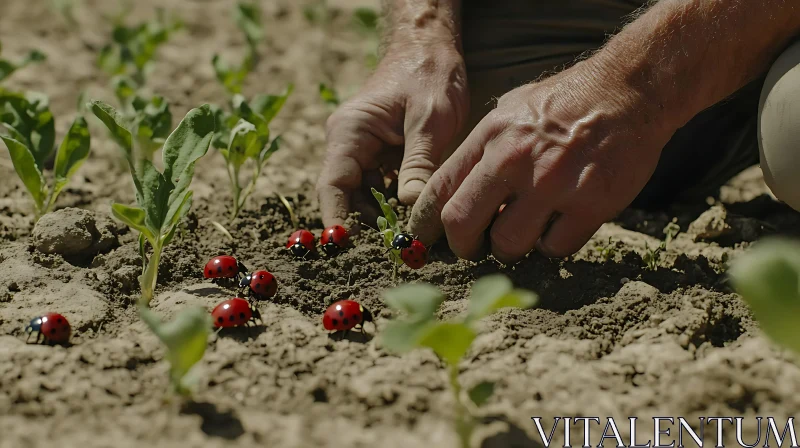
(423, 23)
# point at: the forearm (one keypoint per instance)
(423, 21)
(686, 55)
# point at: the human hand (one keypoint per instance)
(404, 117)
(563, 155)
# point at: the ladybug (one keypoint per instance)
(301, 243)
(402, 240)
(261, 284)
(233, 313)
(333, 239)
(415, 256)
(50, 328)
(344, 315)
(223, 267)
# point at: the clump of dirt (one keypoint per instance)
(609, 338)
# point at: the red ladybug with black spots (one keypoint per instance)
(301, 243)
(345, 315)
(415, 255)
(234, 313)
(260, 284)
(223, 268)
(334, 239)
(51, 328)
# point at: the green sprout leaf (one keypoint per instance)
(248, 18)
(268, 106)
(388, 212)
(768, 277)
(244, 143)
(185, 338)
(494, 292)
(27, 169)
(71, 154)
(401, 336)
(230, 78)
(8, 67)
(366, 20)
(419, 300)
(30, 121)
(117, 126)
(133, 217)
(328, 95)
(450, 341)
(481, 393)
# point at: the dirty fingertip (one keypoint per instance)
(425, 222)
(410, 192)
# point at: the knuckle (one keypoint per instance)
(454, 218)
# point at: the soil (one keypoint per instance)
(609, 337)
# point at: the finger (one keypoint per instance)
(426, 216)
(470, 211)
(518, 227)
(428, 129)
(567, 235)
(363, 201)
(355, 137)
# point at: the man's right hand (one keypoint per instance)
(405, 117)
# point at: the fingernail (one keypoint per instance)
(410, 192)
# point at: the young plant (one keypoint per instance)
(162, 198)
(450, 340)
(608, 250)
(767, 276)
(652, 256)
(185, 339)
(328, 95)
(7, 67)
(30, 142)
(248, 141)
(388, 226)
(133, 48)
(248, 18)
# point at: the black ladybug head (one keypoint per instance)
(402, 241)
(34, 325)
(331, 249)
(298, 250)
(245, 282)
(366, 316)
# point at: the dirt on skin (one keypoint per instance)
(609, 339)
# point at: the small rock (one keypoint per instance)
(72, 232)
(711, 225)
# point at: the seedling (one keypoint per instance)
(162, 198)
(185, 339)
(652, 256)
(7, 67)
(388, 227)
(133, 48)
(328, 95)
(450, 340)
(608, 250)
(30, 142)
(149, 119)
(248, 18)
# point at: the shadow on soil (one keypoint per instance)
(225, 425)
(511, 436)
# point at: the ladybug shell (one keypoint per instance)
(232, 313)
(304, 237)
(54, 328)
(415, 256)
(263, 284)
(223, 266)
(344, 315)
(334, 235)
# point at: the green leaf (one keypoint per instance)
(419, 300)
(230, 78)
(767, 276)
(190, 141)
(494, 292)
(328, 95)
(155, 196)
(388, 212)
(176, 212)
(117, 126)
(25, 166)
(30, 117)
(244, 143)
(153, 121)
(268, 106)
(124, 88)
(133, 217)
(481, 393)
(450, 341)
(185, 338)
(71, 154)
(6, 69)
(366, 20)
(401, 336)
(248, 19)
(382, 224)
(267, 152)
